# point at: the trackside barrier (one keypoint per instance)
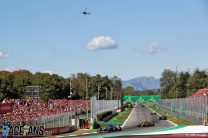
(58, 130)
(58, 120)
(99, 106)
(194, 109)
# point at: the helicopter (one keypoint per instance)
(85, 12)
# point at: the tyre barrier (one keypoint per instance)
(109, 117)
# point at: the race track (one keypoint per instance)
(139, 114)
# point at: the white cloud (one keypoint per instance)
(3, 55)
(101, 43)
(49, 72)
(153, 48)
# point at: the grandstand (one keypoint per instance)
(201, 92)
(26, 111)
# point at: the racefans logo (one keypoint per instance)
(24, 131)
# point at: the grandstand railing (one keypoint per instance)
(57, 120)
(60, 120)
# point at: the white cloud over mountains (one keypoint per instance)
(101, 43)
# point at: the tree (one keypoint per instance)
(197, 81)
(22, 78)
(13, 85)
(166, 82)
(117, 87)
(129, 91)
(149, 92)
(181, 89)
(6, 87)
(53, 86)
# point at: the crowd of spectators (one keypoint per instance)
(200, 93)
(28, 110)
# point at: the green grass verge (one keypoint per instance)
(174, 118)
(118, 119)
(122, 116)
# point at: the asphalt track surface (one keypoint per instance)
(139, 114)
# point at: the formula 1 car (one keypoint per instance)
(153, 113)
(110, 128)
(145, 124)
(162, 117)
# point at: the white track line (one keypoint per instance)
(127, 118)
(79, 135)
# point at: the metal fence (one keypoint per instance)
(193, 109)
(58, 120)
(99, 106)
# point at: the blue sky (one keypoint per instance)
(130, 38)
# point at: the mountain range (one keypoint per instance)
(142, 83)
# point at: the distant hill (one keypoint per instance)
(142, 83)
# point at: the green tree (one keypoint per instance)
(166, 82)
(22, 78)
(6, 86)
(129, 91)
(197, 81)
(117, 87)
(150, 92)
(53, 86)
(181, 89)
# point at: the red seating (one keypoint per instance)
(32, 109)
(200, 92)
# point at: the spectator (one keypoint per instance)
(32, 109)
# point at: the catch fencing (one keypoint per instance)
(99, 106)
(193, 109)
(57, 120)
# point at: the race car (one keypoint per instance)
(110, 128)
(153, 113)
(145, 124)
(162, 117)
(142, 105)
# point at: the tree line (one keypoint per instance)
(82, 85)
(182, 84)
(77, 86)
(175, 84)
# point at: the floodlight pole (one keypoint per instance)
(70, 87)
(99, 87)
(87, 98)
(111, 88)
